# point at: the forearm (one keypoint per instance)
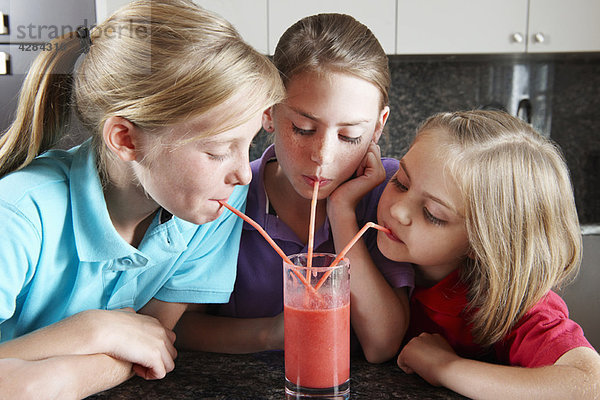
(480, 380)
(203, 332)
(123, 334)
(379, 316)
(72, 336)
(64, 377)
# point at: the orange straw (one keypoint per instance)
(266, 236)
(342, 253)
(311, 227)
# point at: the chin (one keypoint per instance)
(202, 217)
(387, 249)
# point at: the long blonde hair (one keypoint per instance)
(520, 214)
(333, 42)
(152, 62)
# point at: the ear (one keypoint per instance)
(383, 116)
(120, 136)
(267, 120)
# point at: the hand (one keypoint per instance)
(139, 339)
(369, 174)
(427, 355)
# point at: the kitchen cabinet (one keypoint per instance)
(378, 15)
(564, 26)
(461, 26)
(26, 28)
(427, 26)
(491, 26)
(249, 17)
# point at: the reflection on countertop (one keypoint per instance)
(216, 376)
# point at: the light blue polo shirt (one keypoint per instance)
(60, 254)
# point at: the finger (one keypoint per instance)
(141, 371)
(159, 372)
(169, 363)
(172, 336)
(171, 350)
(378, 149)
(405, 367)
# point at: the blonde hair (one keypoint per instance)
(333, 42)
(520, 214)
(152, 62)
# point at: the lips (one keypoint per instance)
(392, 236)
(311, 180)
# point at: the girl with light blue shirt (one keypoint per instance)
(103, 245)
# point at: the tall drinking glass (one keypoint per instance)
(317, 327)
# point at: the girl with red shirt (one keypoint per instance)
(483, 207)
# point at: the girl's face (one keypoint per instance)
(424, 210)
(187, 178)
(323, 129)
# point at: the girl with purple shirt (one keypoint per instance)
(337, 80)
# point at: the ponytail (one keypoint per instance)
(44, 105)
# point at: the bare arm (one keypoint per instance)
(95, 344)
(378, 313)
(197, 330)
(61, 377)
(575, 375)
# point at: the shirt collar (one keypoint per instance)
(448, 296)
(257, 205)
(97, 239)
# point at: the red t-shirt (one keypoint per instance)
(539, 338)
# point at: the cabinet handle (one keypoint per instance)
(517, 37)
(4, 59)
(539, 37)
(3, 26)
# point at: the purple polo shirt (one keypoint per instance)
(258, 290)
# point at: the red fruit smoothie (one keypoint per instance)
(317, 346)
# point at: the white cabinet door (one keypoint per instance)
(564, 26)
(104, 8)
(378, 15)
(249, 17)
(461, 26)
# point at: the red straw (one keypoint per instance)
(266, 236)
(342, 253)
(311, 227)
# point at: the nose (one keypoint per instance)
(401, 212)
(242, 174)
(323, 148)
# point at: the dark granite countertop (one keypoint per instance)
(261, 376)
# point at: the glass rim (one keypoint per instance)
(342, 263)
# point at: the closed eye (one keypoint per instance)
(303, 132)
(398, 184)
(351, 140)
(217, 157)
(432, 219)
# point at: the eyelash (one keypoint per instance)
(305, 132)
(426, 213)
(216, 157)
(432, 219)
(399, 185)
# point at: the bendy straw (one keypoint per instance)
(266, 236)
(342, 253)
